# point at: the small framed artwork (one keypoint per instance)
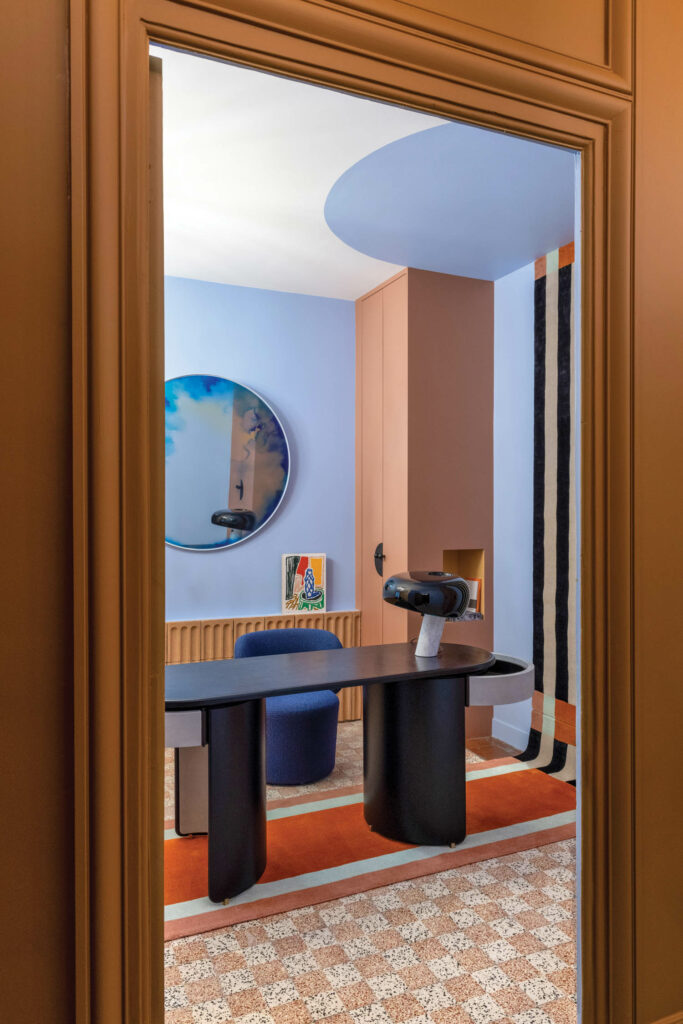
(475, 594)
(304, 584)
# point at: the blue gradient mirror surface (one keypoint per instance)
(227, 457)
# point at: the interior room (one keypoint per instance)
(371, 365)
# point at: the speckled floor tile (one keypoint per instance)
(486, 943)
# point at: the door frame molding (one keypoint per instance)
(117, 439)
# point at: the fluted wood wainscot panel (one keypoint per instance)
(218, 639)
(183, 642)
(316, 621)
(280, 621)
(251, 625)
(346, 626)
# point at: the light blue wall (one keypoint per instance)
(513, 483)
(298, 353)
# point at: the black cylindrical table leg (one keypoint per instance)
(237, 798)
(414, 760)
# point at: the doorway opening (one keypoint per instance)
(400, 292)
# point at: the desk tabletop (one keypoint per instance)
(206, 684)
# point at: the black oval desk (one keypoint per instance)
(413, 742)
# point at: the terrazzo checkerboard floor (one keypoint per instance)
(483, 943)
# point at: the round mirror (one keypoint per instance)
(227, 462)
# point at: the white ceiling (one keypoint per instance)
(250, 159)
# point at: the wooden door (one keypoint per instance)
(396, 623)
(381, 453)
(368, 462)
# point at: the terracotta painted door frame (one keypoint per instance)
(435, 65)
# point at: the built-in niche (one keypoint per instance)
(470, 563)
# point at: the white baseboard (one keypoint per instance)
(511, 734)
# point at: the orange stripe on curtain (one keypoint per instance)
(566, 255)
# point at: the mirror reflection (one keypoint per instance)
(227, 462)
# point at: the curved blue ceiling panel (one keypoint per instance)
(458, 200)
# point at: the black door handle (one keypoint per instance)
(379, 557)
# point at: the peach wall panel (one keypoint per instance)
(395, 623)
(369, 469)
(450, 496)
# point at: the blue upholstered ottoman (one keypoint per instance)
(301, 737)
(301, 728)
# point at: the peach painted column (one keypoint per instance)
(450, 441)
(424, 443)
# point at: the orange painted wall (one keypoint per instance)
(658, 465)
(579, 28)
(36, 689)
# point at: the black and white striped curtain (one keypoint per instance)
(552, 740)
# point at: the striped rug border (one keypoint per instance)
(224, 916)
(403, 866)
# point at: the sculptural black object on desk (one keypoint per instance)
(438, 596)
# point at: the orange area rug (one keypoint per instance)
(321, 848)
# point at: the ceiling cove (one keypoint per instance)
(277, 184)
(458, 200)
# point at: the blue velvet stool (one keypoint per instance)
(301, 728)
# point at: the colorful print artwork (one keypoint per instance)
(303, 583)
